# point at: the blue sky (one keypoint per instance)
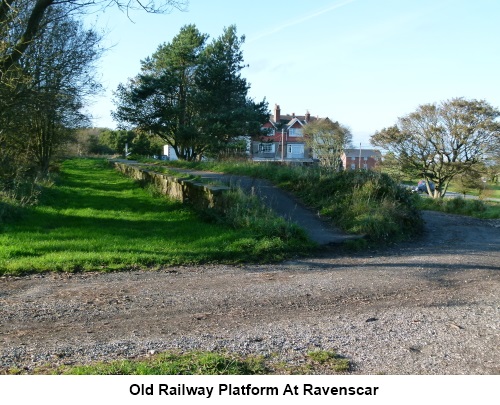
(363, 63)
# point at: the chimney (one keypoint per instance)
(277, 113)
(308, 116)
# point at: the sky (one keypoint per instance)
(363, 63)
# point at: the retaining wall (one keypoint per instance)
(199, 195)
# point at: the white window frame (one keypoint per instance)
(266, 148)
(295, 132)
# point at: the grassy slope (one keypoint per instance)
(94, 218)
(289, 178)
(365, 203)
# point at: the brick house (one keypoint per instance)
(354, 159)
(285, 140)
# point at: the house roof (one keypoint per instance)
(286, 120)
(354, 153)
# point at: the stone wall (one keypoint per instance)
(199, 195)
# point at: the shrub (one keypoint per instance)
(365, 202)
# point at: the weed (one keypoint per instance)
(330, 360)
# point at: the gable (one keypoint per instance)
(295, 123)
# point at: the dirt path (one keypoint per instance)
(429, 307)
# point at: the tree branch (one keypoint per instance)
(28, 35)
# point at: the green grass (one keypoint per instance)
(171, 363)
(205, 363)
(94, 218)
(483, 191)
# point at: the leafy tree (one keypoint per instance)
(493, 168)
(471, 180)
(116, 140)
(442, 141)
(223, 109)
(327, 141)
(192, 95)
(106, 141)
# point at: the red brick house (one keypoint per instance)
(354, 159)
(285, 140)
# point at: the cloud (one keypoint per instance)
(300, 20)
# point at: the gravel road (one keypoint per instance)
(427, 307)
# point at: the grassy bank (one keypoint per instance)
(360, 202)
(93, 218)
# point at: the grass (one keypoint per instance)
(483, 191)
(205, 363)
(94, 218)
(172, 363)
(461, 206)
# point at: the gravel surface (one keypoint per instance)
(429, 307)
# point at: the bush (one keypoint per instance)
(365, 202)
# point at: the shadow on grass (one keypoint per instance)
(55, 241)
(122, 199)
(83, 224)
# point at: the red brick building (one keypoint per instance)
(355, 159)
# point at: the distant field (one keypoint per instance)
(93, 218)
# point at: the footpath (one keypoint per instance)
(283, 203)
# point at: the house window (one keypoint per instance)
(295, 132)
(353, 166)
(266, 147)
(365, 166)
(296, 151)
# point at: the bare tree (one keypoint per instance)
(62, 72)
(45, 74)
(21, 20)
